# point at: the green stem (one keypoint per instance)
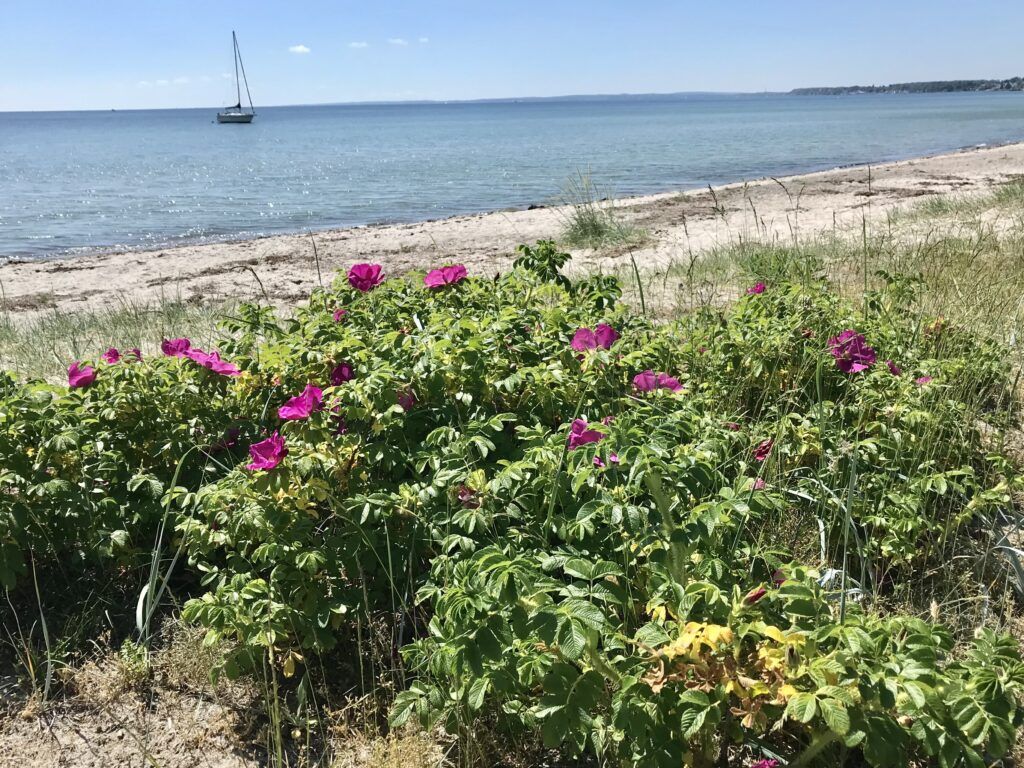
(818, 743)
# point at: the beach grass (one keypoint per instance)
(590, 218)
(41, 345)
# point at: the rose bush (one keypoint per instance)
(664, 544)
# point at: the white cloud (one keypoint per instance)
(180, 80)
(298, 49)
(359, 44)
(162, 82)
(424, 40)
(397, 41)
(145, 84)
(226, 76)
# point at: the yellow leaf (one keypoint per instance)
(787, 691)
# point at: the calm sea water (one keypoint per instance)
(75, 181)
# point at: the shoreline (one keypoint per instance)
(84, 252)
(281, 265)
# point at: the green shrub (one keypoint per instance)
(661, 577)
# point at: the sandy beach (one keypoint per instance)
(284, 269)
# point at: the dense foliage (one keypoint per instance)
(663, 544)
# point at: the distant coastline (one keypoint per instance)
(928, 86)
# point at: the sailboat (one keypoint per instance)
(237, 114)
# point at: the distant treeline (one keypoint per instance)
(934, 86)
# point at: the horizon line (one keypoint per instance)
(481, 100)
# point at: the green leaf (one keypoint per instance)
(835, 715)
(803, 706)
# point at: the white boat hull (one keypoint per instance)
(235, 117)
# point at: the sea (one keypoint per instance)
(76, 182)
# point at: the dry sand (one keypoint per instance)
(677, 224)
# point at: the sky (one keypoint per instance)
(104, 54)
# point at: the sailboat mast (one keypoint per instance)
(238, 87)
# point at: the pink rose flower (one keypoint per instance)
(468, 497)
(764, 449)
(851, 352)
(111, 356)
(79, 376)
(755, 595)
(339, 313)
(755, 289)
(212, 361)
(648, 381)
(341, 373)
(921, 381)
(175, 347)
(365, 277)
(450, 275)
(302, 406)
(894, 369)
(579, 434)
(268, 453)
(406, 399)
(603, 336)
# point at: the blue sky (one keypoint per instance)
(100, 54)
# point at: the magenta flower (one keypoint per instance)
(759, 484)
(133, 355)
(648, 381)
(268, 453)
(755, 289)
(755, 595)
(175, 347)
(222, 367)
(302, 406)
(79, 376)
(580, 435)
(112, 356)
(732, 426)
(894, 369)
(365, 277)
(766, 764)
(212, 361)
(921, 381)
(469, 498)
(341, 373)
(339, 313)
(450, 275)
(764, 448)
(607, 420)
(406, 399)
(603, 336)
(613, 458)
(851, 352)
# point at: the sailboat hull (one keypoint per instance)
(235, 117)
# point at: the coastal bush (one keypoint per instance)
(662, 544)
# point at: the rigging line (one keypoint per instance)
(244, 78)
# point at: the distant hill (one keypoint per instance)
(933, 86)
